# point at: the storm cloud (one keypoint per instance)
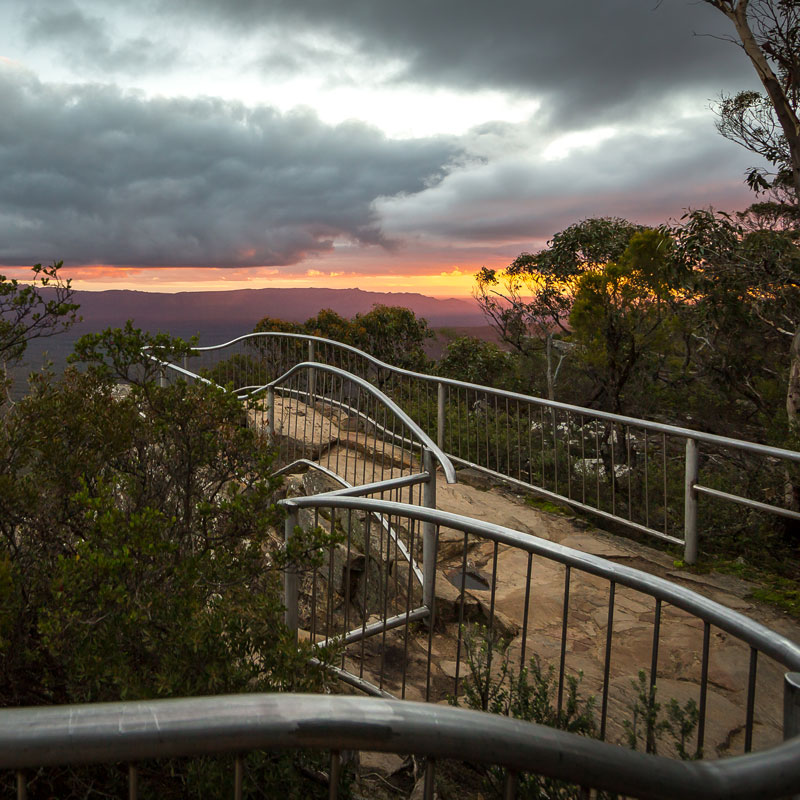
(248, 132)
(103, 176)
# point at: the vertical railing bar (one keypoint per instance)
(555, 450)
(646, 481)
(751, 700)
(384, 571)
(290, 574)
(597, 461)
(409, 588)
(467, 409)
(525, 612)
(508, 441)
(530, 446)
(314, 579)
(569, 456)
(347, 570)
(690, 502)
(607, 660)
(461, 611)
(22, 786)
(519, 445)
(613, 475)
(238, 777)
(430, 767)
(541, 430)
(630, 470)
(305, 418)
(583, 459)
(133, 782)
(510, 785)
(367, 449)
(701, 721)
(563, 659)
(367, 542)
(333, 778)
(432, 618)
(490, 632)
(650, 743)
(329, 610)
(664, 470)
(339, 414)
(654, 651)
(394, 544)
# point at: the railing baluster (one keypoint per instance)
(461, 612)
(510, 785)
(562, 661)
(526, 612)
(238, 777)
(751, 700)
(650, 744)
(334, 775)
(430, 771)
(701, 721)
(133, 782)
(607, 661)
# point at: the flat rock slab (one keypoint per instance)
(530, 620)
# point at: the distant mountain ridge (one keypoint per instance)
(218, 317)
(245, 307)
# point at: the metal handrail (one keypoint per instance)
(619, 419)
(442, 458)
(137, 730)
(773, 644)
(680, 515)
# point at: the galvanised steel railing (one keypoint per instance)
(579, 612)
(722, 655)
(646, 476)
(323, 418)
(135, 732)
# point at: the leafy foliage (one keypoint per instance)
(139, 554)
(529, 694)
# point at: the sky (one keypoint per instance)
(176, 145)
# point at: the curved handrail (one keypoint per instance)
(658, 427)
(444, 461)
(136, 730)
(773, 644)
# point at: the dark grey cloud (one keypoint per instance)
(634, 174)
(91, 174)
(89, 40)
(587, 58)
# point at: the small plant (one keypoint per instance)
(528, 694)
(647, 725)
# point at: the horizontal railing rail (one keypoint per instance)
(386, 402)
(645, 475)
(540, 598)
(136, 731)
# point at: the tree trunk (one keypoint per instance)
(780, 102)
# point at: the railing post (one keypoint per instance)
(440, 421)
(791, 705)
(312, 373)
(428, 529)
(690, 503)
(791, 708)
(162, 379)
(290, 574)
(271, 414)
